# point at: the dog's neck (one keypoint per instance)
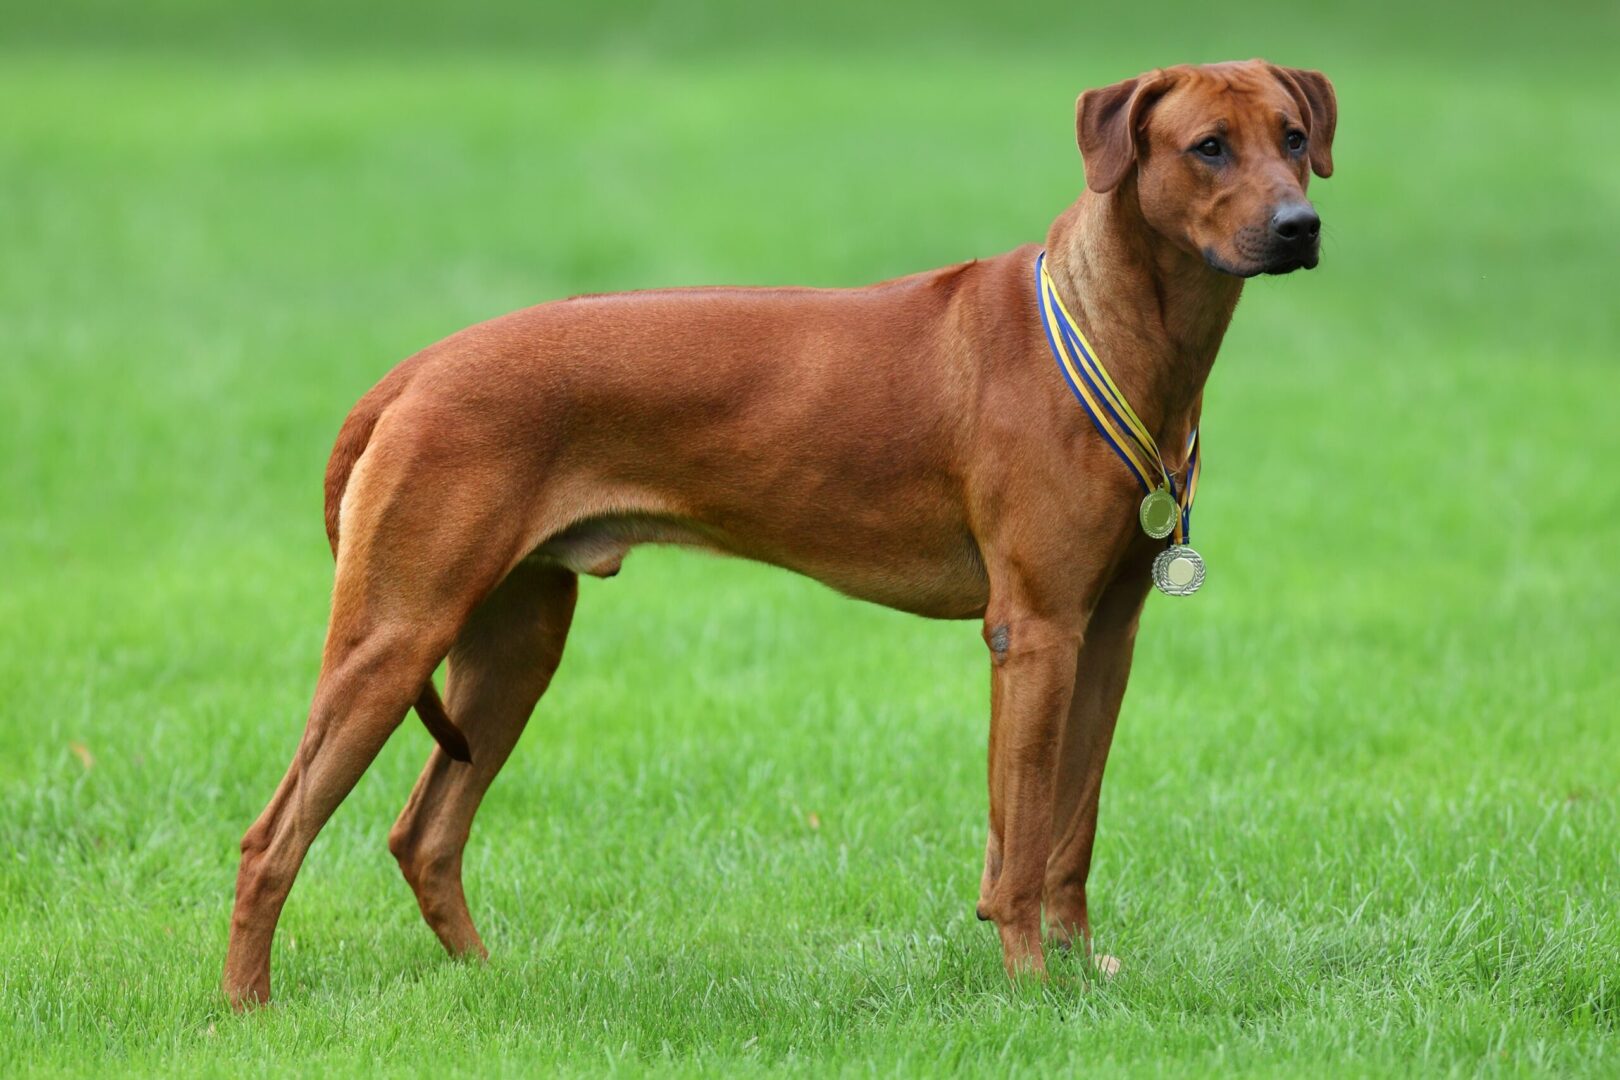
(1155, 312)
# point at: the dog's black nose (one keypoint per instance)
(1295, 223)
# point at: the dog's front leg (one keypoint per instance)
(1032, 680)
(1099, 686)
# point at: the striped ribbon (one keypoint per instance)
(1110, 413)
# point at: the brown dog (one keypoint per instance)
(910, 443)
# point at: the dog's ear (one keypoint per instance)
(1318, 108)
(1107, 122)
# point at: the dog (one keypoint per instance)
(911, 443)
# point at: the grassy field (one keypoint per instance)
(1362, 810)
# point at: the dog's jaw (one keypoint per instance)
(1287, 266)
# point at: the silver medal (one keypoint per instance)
(1178, 570)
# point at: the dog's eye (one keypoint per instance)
(1210, 148)
(1295, 141)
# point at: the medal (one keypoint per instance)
(1166, 511)
(1159, 513)
(1178, 570)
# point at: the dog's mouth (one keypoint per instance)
(1290, 263)
(1285, 263)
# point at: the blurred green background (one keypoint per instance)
(1361, 810)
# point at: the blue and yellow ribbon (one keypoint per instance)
(1103, 401)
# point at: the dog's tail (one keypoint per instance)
(351, 443)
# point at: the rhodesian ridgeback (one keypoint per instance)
(911, 443)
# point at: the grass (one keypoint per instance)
(1361, 811)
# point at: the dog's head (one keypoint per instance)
(1220, 155)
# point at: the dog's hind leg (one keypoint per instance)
(367, 683)
(420, 551)
(499, 666)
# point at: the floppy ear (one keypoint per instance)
(1106, 123)
(1318, 108)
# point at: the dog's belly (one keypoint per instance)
(944, 580)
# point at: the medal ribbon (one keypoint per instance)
(1110, 413)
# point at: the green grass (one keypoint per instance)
(1362, 808)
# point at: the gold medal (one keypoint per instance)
(1159, 513)
(1178, 570)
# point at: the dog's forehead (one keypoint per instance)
(1236, 94)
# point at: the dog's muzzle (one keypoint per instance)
(1295, 236)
